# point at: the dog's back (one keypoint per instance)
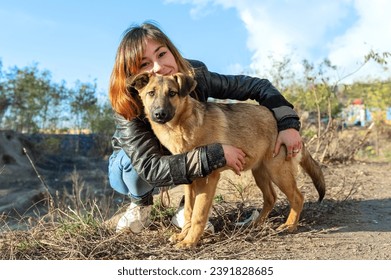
(247, 126)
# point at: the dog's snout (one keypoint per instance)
(160, 115)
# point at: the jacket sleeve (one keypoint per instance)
(154, 163)
(242, 87)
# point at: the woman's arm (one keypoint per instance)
(154, 163)
(242, 87)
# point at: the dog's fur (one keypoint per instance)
(182, 123)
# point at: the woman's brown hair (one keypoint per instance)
(127, 63)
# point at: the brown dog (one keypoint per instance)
(182, 123)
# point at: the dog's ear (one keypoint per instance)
(186, 83)
(137, 82)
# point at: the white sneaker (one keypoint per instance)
(136, 218)
(179, 221)
(249, 220)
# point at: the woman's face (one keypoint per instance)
(158, 59)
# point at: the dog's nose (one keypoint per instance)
(159, 115)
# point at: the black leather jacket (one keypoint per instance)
(158, 167)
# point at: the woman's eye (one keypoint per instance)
(144, 65)
(162, 54)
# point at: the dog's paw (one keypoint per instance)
(185, 245)
(287, 228)
(177, 237)
(173, 238)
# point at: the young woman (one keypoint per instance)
(139, 163)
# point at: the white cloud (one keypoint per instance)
(235, 68)
(371, 31)
(200, 7)
(342, 30)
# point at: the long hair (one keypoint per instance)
(127, 62)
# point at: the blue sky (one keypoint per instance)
(77, 40)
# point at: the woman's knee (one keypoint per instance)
(124, 178)
(115, 174)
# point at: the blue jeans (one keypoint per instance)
(125, 180)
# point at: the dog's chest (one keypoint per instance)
(176, 141)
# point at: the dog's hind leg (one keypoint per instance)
(205, 189)
(264, 183)
(285, 178)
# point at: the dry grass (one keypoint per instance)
(70, 233)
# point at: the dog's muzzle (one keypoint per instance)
(161, 116)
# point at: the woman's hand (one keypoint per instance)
(291, 139)
(234, 158)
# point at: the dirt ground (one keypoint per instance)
(352, 223)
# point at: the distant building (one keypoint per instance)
(356, 114)
(384, 115)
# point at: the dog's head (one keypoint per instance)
(162, 95)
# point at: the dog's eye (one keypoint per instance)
(172, 93)
(151, 93)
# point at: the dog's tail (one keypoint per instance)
(312, 168)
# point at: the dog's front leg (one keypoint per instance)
(188, 211)
(205, 190)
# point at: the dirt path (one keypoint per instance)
(363, 223)
(354, 221)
